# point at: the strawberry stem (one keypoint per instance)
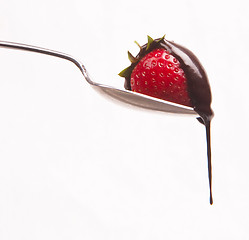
(150, 41)
(126, 72)
(138, 45)
(132, 58)
(161, 39)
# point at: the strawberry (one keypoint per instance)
(157, 73)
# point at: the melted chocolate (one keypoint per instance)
(197, 86)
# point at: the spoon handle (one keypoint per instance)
(29, 48)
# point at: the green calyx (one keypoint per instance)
(150, 41)
(126, 72)
(147, 48)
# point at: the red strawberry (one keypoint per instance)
(157, 73)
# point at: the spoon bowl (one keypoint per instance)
(122, 96)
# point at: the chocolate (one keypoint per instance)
(197, 86)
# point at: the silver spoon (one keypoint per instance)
(123, 96)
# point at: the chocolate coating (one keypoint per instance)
(197, 80)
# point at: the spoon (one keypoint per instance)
(123, 96)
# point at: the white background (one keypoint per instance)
(74, 165)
